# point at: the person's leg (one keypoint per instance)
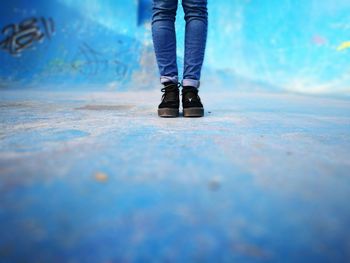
(164, 38)
(164, 41)
(196, 16)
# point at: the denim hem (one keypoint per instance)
(191, 82)
(164, 79)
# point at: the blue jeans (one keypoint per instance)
(164, 39)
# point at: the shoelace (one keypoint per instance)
(170, 88)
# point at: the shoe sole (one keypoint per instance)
(193, 112)
(168, 113)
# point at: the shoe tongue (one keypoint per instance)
(190, 92)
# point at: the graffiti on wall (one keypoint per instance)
(19, 37)
(90, 62)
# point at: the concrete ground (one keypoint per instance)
(98, 177)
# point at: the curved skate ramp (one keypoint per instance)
(301, 46)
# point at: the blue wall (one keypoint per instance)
(292, 45)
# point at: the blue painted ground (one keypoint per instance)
(98, 177)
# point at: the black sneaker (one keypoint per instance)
(169, 107)
(191, 102)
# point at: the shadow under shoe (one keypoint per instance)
(191, 102)
(169, 107)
